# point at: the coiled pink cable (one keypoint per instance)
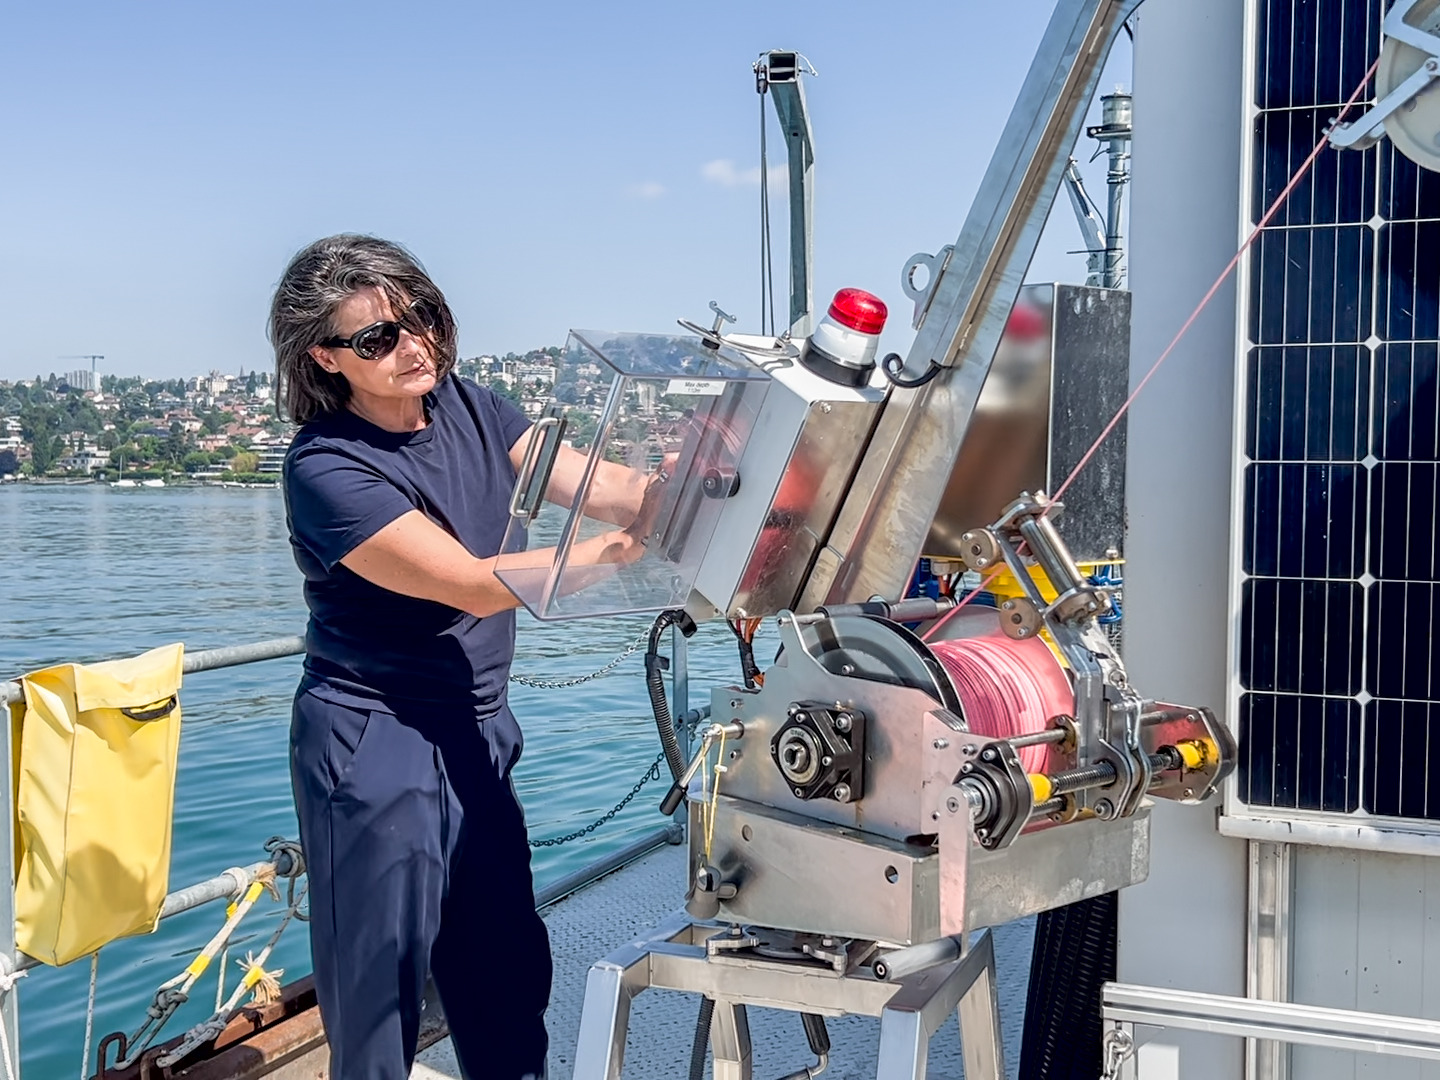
(1007, 688)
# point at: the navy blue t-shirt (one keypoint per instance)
(345, 480)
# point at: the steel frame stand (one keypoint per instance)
(674, 957)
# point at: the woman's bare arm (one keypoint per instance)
(416, 557)
(615, 494)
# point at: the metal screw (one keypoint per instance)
(799, 794)
(847, 669)
(967, 767)
(1189, 793)
(969, 750)
(987, 755)
(827, 761)
(983, 834)
(734, 703)
(825, 406)
(801, 718)
(941, 744)
(843, 722)
(842, 792)
(1104, 809)
(827, 942)
(952, 804)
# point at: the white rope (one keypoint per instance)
(7, 984)
(89, 1015)
(220, 981)
(5, 1047)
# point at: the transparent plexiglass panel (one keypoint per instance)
(626, 473)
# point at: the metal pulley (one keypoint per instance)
(1407, 105)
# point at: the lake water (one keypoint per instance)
(91, 572)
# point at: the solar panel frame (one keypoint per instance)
(1335, 563)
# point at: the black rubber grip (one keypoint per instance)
(815, 1033)
(673, 798)
(157, 712)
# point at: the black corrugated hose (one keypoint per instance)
(655, 668)
(702, 1039)
(1074, 957)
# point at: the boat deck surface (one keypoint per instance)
(628, 904)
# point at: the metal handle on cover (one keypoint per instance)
(539, 459)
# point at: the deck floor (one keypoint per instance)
(628, 904)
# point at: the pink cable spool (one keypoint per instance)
(1007, 688)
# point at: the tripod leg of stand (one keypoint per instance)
(600, 1052)
(980, 1040)
(904, 1045)
(730, 1042)
(924, 1002)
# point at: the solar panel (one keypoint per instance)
(1339, 705)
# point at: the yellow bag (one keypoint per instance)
(94, 798)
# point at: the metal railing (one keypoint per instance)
(1127, 1006)
(209, 660)
(233, 882)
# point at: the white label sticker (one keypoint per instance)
(706, 387)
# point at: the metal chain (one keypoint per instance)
(1117, 1048)
(563, 684)
(652, 773)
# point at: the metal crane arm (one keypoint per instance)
(960, 315)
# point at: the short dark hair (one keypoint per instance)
(314, 285)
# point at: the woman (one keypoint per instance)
(402, 740)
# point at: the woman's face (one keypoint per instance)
(406, 371)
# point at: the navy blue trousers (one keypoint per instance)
(416, 850)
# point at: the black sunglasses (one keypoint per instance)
(377, 340)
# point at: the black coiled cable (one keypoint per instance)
(655, 668)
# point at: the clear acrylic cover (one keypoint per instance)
(653, 424)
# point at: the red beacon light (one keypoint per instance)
(842, 348)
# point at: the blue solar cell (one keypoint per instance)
(1407, 192)
(1403, 618)
(1301, 636)
(1407, 402)
(1313, 286)
(1301, 753)
(1308, 403)
(1404, 542)
(1305, 521)
(1399, 736)
(1314, 52)
(1339, 189)
(1409, 281)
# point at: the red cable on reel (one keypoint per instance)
(1007, 687)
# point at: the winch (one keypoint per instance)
(859, 769)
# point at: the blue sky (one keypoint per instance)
(553, 164)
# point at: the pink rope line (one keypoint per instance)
(1224, 276)
(1180, 334)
